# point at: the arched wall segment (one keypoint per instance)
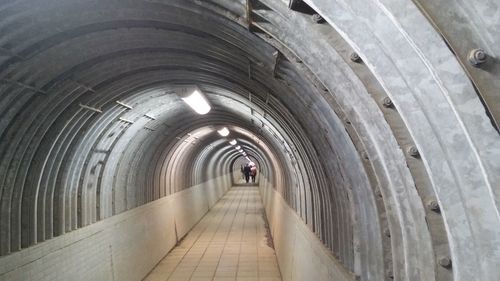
(450, 124)
(331, 135)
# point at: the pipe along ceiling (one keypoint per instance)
(366, 123)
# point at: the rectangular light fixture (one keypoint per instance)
(195, 99)
(233, 142)
(238, 147)
(223, 132)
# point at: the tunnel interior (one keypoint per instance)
(377, 132)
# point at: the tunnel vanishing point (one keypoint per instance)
(374, 125)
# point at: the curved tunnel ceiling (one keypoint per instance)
(376, 131)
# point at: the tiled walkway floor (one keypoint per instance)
(229, 243)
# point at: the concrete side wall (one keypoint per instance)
(124, 247)
(301, 255)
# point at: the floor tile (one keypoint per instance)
(228, 244)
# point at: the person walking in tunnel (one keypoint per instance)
(247, 171)
(253, 172)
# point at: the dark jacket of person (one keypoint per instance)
(246, 170)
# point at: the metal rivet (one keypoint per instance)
(445, 262)
(390, 274)
(413, 151)
(433, 205)
(317, 18)
(365, 155)
(477, 57)
(387, 102)
(355, 57)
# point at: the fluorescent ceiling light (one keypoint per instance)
(247, 158)
(238, 147)
(233, 142)
(223, 132)
(195, 99)
(241, 150)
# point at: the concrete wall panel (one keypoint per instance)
(301, 255)
(124, 247)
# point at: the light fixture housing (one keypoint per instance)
(233, 142)
(238, 147)
(193, 96)
(223, 132)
